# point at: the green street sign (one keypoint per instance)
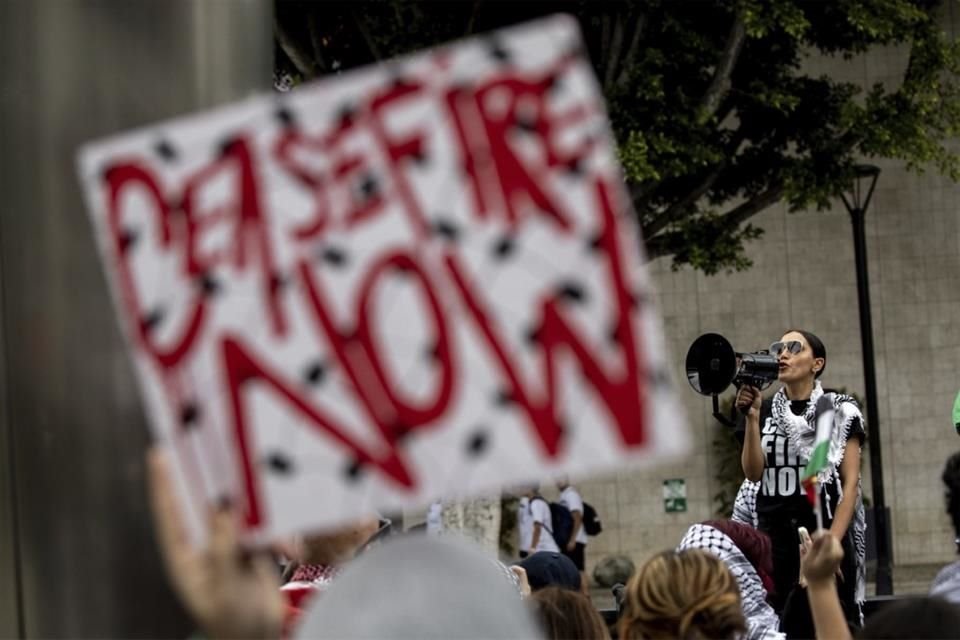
(675, 495)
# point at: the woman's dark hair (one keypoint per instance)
(922, 617)
(564, 614)
(816, 345)
(951, 481)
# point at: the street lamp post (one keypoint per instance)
(857, 200)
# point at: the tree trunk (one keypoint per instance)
(477, 520)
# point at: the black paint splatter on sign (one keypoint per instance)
(277, 282)
(595, 242)
(431, 352)
(226, 146)
(152, 319)
(128, 239)
(354, 471)
(478, 442)
(445, 229)
(369, 187)
(165, 150)
(279, 463)
(571, 291)
(533, 335)
(346, 114)
(503, 398)
(189, 415)
(334, 256)
(504, 248)
(208, 284)
(285, 117)
(498, 52)
(315, 372)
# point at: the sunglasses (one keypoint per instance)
(793, 346)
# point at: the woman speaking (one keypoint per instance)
(778, 439)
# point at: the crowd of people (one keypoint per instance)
(756, 575)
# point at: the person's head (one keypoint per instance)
(420, 587)
(688, 594)
(920, 618)
(339, 545)
(951, 482)
(801, 355)
(529, 490)
(562, 482)
(567, 614)
(754, 544)
(550, 569)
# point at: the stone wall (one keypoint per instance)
(804, 276)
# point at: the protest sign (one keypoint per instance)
(404, 282)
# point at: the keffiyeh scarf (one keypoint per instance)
(762, 621)
(745, 504)
(802, 432)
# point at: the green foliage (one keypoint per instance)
(715, 116)
(508, 525)
(727, 470)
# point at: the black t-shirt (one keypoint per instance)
(781, 492)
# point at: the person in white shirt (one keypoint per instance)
(435, 518)
(576, 547)
(541, 523)
(524, 526)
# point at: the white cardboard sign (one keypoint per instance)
(405, 282)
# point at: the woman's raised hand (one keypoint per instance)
(821, 562)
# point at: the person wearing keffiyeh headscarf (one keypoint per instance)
(778, 439)
(762, 621)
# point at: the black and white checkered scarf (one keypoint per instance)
(745, 504)
(762, 621)
(802, 432)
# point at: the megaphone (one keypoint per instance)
(712, 366)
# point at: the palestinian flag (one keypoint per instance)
(821, 447)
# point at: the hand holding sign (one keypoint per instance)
(229, 592)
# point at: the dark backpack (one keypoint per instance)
(561, 523)
(591, 521)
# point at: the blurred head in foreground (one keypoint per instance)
(419, 587)
(688, 594)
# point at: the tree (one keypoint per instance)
(714, 117)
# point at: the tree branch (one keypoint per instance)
(630, 59)
(655, 248)
(686, 201)
(730, 151)
(316, 43)
(640, 193)
(300, 59)
(740, 214)
(362, 28)
(613, 62)
(473, 16)
(720, 84)
(657, 245)
(605, 40)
